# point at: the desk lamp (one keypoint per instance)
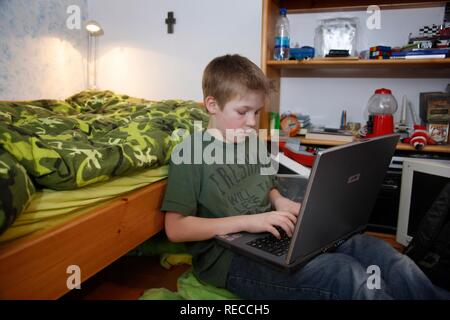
(94, 31)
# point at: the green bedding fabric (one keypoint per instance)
(189, 288)
(16, 189)
(173, 254)
(91, 136)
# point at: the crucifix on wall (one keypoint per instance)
(170, 21)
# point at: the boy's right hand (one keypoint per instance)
(268, 221)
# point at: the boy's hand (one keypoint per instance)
(284, 204)
(268, 221)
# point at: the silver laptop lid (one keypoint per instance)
(340, 195)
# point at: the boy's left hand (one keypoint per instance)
(285, 204)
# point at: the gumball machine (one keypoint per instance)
(381, 107)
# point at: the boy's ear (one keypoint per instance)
(211, 105)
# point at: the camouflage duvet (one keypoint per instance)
(87, 138)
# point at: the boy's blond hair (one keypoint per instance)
(231, 76)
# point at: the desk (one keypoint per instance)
(383, 220)
(445, 148)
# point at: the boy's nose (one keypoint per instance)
(251, 121)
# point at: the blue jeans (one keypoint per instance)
(343, 274)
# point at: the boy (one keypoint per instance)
(206, 199)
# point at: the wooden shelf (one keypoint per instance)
(445, 148)
(394, 68)
(310, 6)
(339, 68)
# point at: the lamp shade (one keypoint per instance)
(94, 28)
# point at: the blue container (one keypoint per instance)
(302, 53)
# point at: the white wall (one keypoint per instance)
(138, 57)
(325, 98)
(40, 58)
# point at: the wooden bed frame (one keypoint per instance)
(36, 266)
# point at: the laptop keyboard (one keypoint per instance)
(271, 244)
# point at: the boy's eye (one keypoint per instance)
(245, 111)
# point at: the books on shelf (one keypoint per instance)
(329, 134)
(421, 54)
(427, 56)
(328, 137)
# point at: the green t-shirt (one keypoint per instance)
(214, 190)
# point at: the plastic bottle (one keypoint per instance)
(282, 37)
(274, 122)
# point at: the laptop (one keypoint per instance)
(339, 197)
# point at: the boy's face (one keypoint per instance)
(239, 114)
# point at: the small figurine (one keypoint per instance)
(419, 138)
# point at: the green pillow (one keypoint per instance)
(16, 188)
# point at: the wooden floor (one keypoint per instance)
(389, 238)
(127, 279)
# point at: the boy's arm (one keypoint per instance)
(181, 228)
(282, 203)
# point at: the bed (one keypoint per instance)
(37, 258)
